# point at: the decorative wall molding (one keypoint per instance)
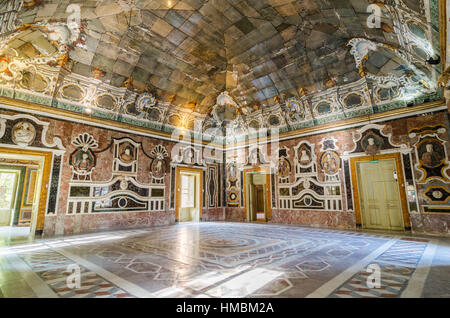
(83, 160)
(380, 143)
(305, 159)
(158, 166)
(431, 157)
(32, 135)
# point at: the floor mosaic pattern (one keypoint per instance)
(54, 269)
(225, 260)
(397, 265)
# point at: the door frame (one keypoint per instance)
(15, 193)
(42, 185)
(178, 190)
(400, 180)
(266, 171)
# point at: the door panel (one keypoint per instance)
(8, 185)
(392, 194)
(260, 198)
(257, 194)
(188, 207)
(28, 196)
(253, 201)
(379, 194)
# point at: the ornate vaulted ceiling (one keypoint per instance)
(242, 63)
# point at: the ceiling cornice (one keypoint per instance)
(47, 111)
(345, 124)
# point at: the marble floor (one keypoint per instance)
(226, 260)
(14, 235)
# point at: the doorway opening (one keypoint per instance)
(257, 195)
(17, 189)
(23, 193)
(189, 195)
(380, 183)
(9, 180)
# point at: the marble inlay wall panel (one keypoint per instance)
(129, 174)
(424, 169)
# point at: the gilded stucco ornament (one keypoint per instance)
(407, 75)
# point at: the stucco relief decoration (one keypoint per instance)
(125, 156)
(371, 144)
(23, 133)
(27, 131)
(305, 159)
(83, 159)
(374, 139)
(431, 153)
(158, 164)
(189, 156)
(232, 171)
(284, 165)
(127, 153)
(47, 44)
(122, 192)
(406, 75)
(432, 158)
(330, 163)
(284, 168)
(226, 112)
(232, 184)
(304, 155)
(307, 192)
(40, 62)
(298, 110)
(145, 107)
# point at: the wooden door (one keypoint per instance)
(28, 193)
(380, 195)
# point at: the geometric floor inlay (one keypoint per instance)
(226, 260)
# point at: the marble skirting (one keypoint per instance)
(216, 214)
(428, 224)
(74, 224)
(431, 224)
(329, 219)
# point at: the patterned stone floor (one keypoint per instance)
(228, 260)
